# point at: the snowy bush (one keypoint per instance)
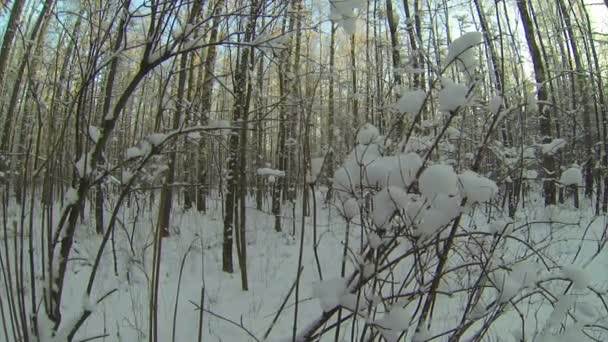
(436, 261)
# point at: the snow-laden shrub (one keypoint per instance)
(438, 259)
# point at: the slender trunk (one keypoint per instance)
(331, 114)
(542, 96)
(107, 102)
(205, 104)
(7, 41)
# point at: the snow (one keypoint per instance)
(393, 323)
(579, 276)
(194, 136)
(133, 152)
(71, 196)
(399, 171)
(453, 133)
(126, 176)
(495, 104)
(513, 272)
(477, 189)
(417, 144)
(350, 208)
(386, 202)
(329, 292)
(367, 134)
(411, 101)
(350, 177)
(384, 208)
(507, 287)
(343, 13)
(554, 146)
(463, 50)
(561, 308)
(422, 335)
(572, 176)
(531, 174)
(374, 240)
(415, 207)
(94, 133)
(438, 179)
(270, 172)
(156, 55)
(399, 197)
(221, 126)
(316, 165)
(84, 165)
(156, 139)
(431, 221)
(452, 96)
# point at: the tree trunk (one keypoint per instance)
(7, 41)
(543, 110)
(237, 158)
(107, 102)
(166, 195)
(205, 103)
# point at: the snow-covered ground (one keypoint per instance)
(566, 238)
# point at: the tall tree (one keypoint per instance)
(8, 39)
(236, 177)
(545, 116)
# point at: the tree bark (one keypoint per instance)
(546, 131)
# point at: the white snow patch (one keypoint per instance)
(411, 101)
(133, 152)
(374, 240)
(438, 179)
(94, 133)
(316, 165)
(477, 188)
(452, 96)
(393, 323)
(270, 172)
(84, 165)
(463, 50)
(495, 104)
(329, 292)
(554, 146)
(126, 176)
(367, 134)
(572, 176)
(71, 196)
(350, 208)
(399, 171)
(384, 208)
(156, 138)
(580, 277)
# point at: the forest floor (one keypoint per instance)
(192, 260)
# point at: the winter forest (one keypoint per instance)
(303, 170)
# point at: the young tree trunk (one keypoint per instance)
(580, 83)
(107, 102)
(166, 195)
(413, 43)
(7, 41)
(205, 103)
(34, 41)
(259, 130)
(331, 116)
(541, 95)
(392, 26)
(237, 158)
(279, 184)
(355, 93)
